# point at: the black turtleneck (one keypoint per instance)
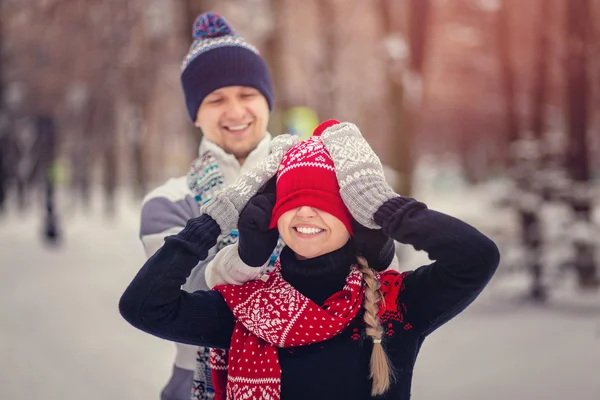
(320, 277)
(337, 368)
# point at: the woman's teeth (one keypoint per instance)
(238, 127)
(309, 231)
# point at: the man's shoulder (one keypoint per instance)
(168, 206)
(174, 189)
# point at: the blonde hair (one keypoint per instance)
(380, 366)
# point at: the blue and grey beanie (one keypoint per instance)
(219, 58)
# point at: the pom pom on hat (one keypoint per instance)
(324, 125)
(219, 58)
(211, 25)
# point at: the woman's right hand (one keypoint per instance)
(226, 206)
(256, 241)
(359, 172)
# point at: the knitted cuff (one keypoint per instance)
(282, 143)
(365, 198)
(383, 216)
(199, 235)
(223, 211)
(228, 269)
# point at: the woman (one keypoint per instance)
(323, 325)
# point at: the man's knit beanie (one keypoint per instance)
(219, 58)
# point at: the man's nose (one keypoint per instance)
(235, 110)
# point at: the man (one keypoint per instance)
(229, 96)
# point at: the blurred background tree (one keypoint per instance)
(477, 91)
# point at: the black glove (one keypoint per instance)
(256, 241)
(199, 235)
(374, 245)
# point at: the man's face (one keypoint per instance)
(235, 118)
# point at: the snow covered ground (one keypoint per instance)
(61, 336)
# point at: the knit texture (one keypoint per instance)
(227, 268)
(307, 177)
(197, 234)
(219, 58)
(273, 314)
(225, 207)
(205, 180)
(359, 172)
(416, 304)
(257, 241)
(318, 278)
(387, 214)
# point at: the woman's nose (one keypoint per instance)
(306, 212)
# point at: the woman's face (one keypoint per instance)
(310, 232)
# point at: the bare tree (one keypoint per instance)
(540, 70)
(3, 121)
(406, 45)
(273, 53)
(578, 35)
(507, 73)
(522, 165)
(330, 55)
(400, 145)
(140, 77)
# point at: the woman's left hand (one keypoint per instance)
(256, 241)
(359, 172)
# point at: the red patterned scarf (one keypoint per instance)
(271, 314)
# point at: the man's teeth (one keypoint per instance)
(238, 127)
(309, 231)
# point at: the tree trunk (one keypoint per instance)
(518, 167)
(327, 17)
(82, 159)
(507, 75)
(531, 232)
(420, 11)
(403, 102)
(530, 221)
(46, 131)
(540, 71)
(272, 54)
(578, 28)
(3, 174)
(3, 128)
(104, 127)
(138, 150)
(402, 142)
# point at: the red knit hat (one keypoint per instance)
(306, 177)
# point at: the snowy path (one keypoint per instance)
(61, 336)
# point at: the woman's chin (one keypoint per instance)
(304, 254)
